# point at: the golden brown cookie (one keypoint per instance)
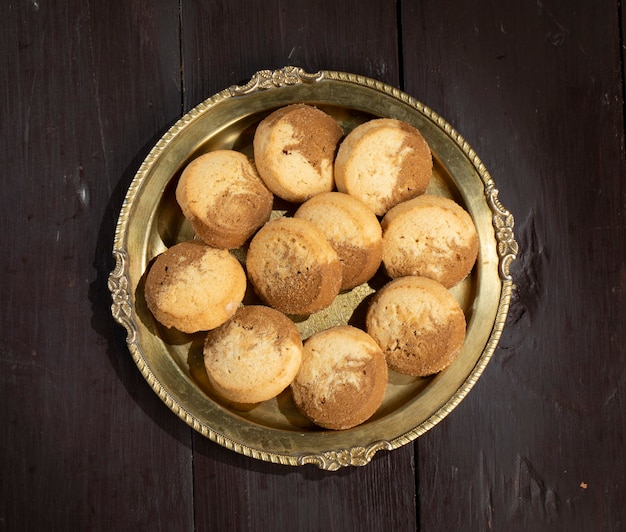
(430, 236)
(342, 378)
(418, 324)
(223, 197)
(352, 229)
(292, 267)
(294, 150)
(383, 162)
(193, 287)
(254, 356)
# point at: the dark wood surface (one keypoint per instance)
(536, 88)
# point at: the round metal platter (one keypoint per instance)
(151, 221)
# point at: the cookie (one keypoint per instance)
(418, 324)
(383, 162)
(193, 287)
(352, 229)
(294, 150)
(342, 378)
(254, 356)
(292, 267)
(429, 236)
(223, 197)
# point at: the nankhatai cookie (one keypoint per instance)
(352, 229)
(193, 287)
(418, 324)
(430, 236)
(223, 197)
(294, 150)
(342, 378)
(254, 356)
(383, 162)
(292, 266)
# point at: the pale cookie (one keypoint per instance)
(292, 267)
(223, 197)
(430, 236)
(352, 229)
(418, 324)
(294, 150)
(383, 162)
(254, 356)
(193, 287)
(342, 379)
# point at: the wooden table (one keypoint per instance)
(536, 88)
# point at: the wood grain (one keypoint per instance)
(226, 42)
(312, 36)
(536, 88)
(86, 88)
(537, 94)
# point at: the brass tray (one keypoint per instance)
(150, 221)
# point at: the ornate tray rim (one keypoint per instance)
(122, 308)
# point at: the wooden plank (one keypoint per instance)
(226, 42)
(234, 492)
(536, 89)
(538, 444)
(86, 444)
(622, 27)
